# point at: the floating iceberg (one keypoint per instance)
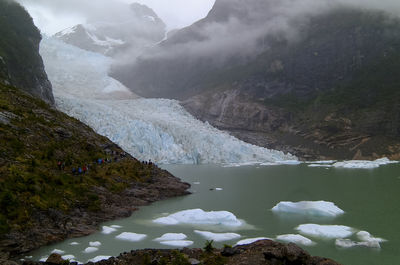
(364, 163)
(219, 189)
(108, 230)
(171, 237)
(116, 226)
(198, 216)
(217, 237)
(90, 249)
(74, 243)
(58, 251)
(95, 244)
(313, 208)
(347, 243)
(99, 258)
(157, 129)
(367, 237)
(133, 237)
(251, 240)
(320, 165)
(177, 243)
(325, 231)
(43, 259)
(68, 257)
(297, 239)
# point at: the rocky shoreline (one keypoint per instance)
(261, 252)
(54, 225)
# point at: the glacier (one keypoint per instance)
(160, 130)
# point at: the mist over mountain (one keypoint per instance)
(132, 29)
(261, 69)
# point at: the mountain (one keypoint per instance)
(135, 28)
(320, 84)
(20, 62)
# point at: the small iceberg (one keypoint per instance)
(313, 208)
(95, 244)
(198, 216)
(325, 231)
(297, 239)
(219, 189)
(74, 243)
(217, 237)
(347, 243)
(320, 165)
(133, 237)
(108, 230)
(367, 237)
(171, 237)
(90, 249)
(99, 258)
(116, 226)
(364, 163)
(58, 251)
(43, 259)
(68, 257)
(177, 243)
(251, 240)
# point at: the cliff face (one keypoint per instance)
(20, 62)
(326, 89)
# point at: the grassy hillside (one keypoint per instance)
(33, 138)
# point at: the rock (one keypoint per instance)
(55, 259)
(7, 262)
(194, 261)
(229, 251)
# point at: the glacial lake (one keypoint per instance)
(369, 197)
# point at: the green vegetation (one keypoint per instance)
(33, 138)
(208, 246)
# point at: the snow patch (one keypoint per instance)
(313, 208)
(171, 237)
(325, 231)
(198, 216)
(251, 240)
(217, 237)
(95, 244)
(133, 237)
(90, 249)
(297, 239)
(177, 243)
(108, 230)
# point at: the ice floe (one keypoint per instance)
(325, 231)
(95, 244)
(171, 237)
(68, 257)
(133, 237)
(364, 163)
(248, 241)
(108, 230)
(99, 258)
(297, 239)
(313, 208)
(90, 249)
(58, 251)
(177, 243)
(217, 237)
(198, 216)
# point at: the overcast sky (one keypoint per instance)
(52, 16)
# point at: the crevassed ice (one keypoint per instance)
(156, 129)
(198, 216)
(248, 241)
(325, 231)
(297, 239)
(217, 237)
(313, 208)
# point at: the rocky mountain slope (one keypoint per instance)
(20, 62)
(319, 84)
(132, 29)
(44, 197)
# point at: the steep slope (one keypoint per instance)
(136, 27)
(43, 201)
(20, 62)
(319, 84)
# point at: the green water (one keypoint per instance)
(370, 199)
